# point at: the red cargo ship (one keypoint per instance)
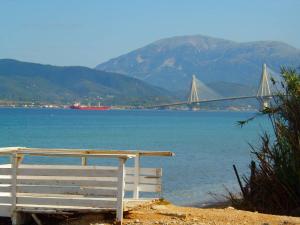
(84, 107)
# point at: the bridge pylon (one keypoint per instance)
(264, 93)
(194, 96)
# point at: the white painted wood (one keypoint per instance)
(66, 200)
(75, 154)
(36, 219)
(82, 187)
(5, 169)
(56, 209)
(55, 166)
(5, 188)
(13, 198)
(69, 172)
(145, 171)
(72, 190)
(84, 161)
(62, 181)
(87, 190)
(15, 218)
(143, 179)
(136, 180)
(85, 181)
(120, 195)
(24, 150)
(96, 203)
(5, 210)
(144, 187)
(74, 171)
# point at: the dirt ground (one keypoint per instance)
(164, 213)
(170, 214)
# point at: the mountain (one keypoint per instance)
(170, 62)
(23, 81)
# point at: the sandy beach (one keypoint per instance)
(162, 212)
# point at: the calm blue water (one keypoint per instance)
(206, 144)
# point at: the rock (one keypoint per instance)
(137, 221)
(178, 215)
(230, 207)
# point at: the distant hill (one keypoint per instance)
(22, 81)
(170, 62)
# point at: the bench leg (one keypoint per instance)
(19, 218)
(120, 190)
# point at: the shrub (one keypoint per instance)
(274, 182)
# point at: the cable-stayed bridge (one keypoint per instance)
(263, 94)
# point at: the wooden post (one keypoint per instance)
(84, 161)
(121, 190)
(136, 176)
(15, 217)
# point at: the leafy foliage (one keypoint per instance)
(274, 183)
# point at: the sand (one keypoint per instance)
(170, 214)
(162, 212)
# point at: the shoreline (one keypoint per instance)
(133, 109)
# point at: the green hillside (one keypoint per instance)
(22, 81)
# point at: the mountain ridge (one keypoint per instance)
(170, 62)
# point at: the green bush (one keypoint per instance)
(274, 183)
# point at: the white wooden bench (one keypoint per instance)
(31, 188)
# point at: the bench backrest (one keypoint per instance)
(67, 187)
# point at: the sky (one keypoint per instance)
(88, 32)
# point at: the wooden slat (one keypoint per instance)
(62, 201)
(86, 191)
(107, 192)
(144, 187)
(5, 210)
(24, 150)
(5, 169)
(78, 172)
(143, 180)
(5, 187)
(145, 171)
(62, 181)
(95, 192)
(46, 166)
(54, 209)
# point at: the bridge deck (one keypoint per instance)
(208, 100)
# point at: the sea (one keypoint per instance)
(206, 143)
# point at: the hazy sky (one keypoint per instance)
(87, 32)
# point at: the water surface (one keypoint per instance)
(206, 144)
